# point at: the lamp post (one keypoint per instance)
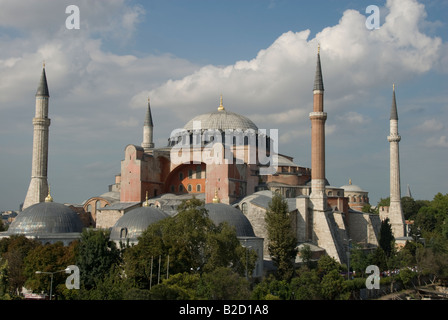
(51, 277)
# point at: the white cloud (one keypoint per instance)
(431, 125)
(438, 142)
(281, 75)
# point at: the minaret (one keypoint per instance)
(148, 128)
(318, 118)
(38, 188)
(395, 215)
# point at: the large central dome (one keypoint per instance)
(221, 120)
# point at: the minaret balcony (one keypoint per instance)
(394, 138)
(318, 115)
(44, 122)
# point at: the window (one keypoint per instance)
(190, 174)
(172, 189)
(198, 172)
(181, 176)
(181, 188)
(198, 188)
(189, 188)
(244, 208)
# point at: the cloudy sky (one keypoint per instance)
(259, 54)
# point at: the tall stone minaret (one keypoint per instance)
(395, 215)
(318, 118)
(38, 188)
(148, 128)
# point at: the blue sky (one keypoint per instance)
(260, 54)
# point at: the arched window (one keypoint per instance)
(190, 174)
(181, 188)
(244, 208)
(198, 188)
(181, 176)
(189, 188)
(123, 233)
(198, 172)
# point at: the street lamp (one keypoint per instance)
(51, 275)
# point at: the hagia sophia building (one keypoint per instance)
(224, 159)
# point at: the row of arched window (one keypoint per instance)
(198, 188)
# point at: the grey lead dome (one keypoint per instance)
(132, 224)
(221, 120)
(44, 218)
(220, 212)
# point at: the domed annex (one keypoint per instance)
(131, 225)
(220, 212)
(47, 221)
(357, 197)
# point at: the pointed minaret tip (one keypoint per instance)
(318, 79)
(393, 111)
(42, 90)
(148, 118)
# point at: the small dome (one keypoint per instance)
(132, 224)
(220, 212)
(46, 217)
(352, 187)
(222, 120)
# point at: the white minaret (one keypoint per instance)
(148, 128)
(395, 214)
(38, 188)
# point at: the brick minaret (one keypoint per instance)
(38, 188)
(395, 210)
(148, 128)
(318, 118)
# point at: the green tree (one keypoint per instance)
(95, 255)
(427, 219)
(306, 286)
(272, 288)
(191, 241)
(333, 286)
(326, 264)
(282, 241)
(47, 258)
(224, 284)
(386, 239)
(14, 250)
(358, 259)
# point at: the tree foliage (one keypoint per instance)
(95, 255)
(282, 241)
(187, 242)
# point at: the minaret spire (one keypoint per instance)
(148, 128)
(395, 214)
(318, 79)
(318, 118)
(38, 188)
